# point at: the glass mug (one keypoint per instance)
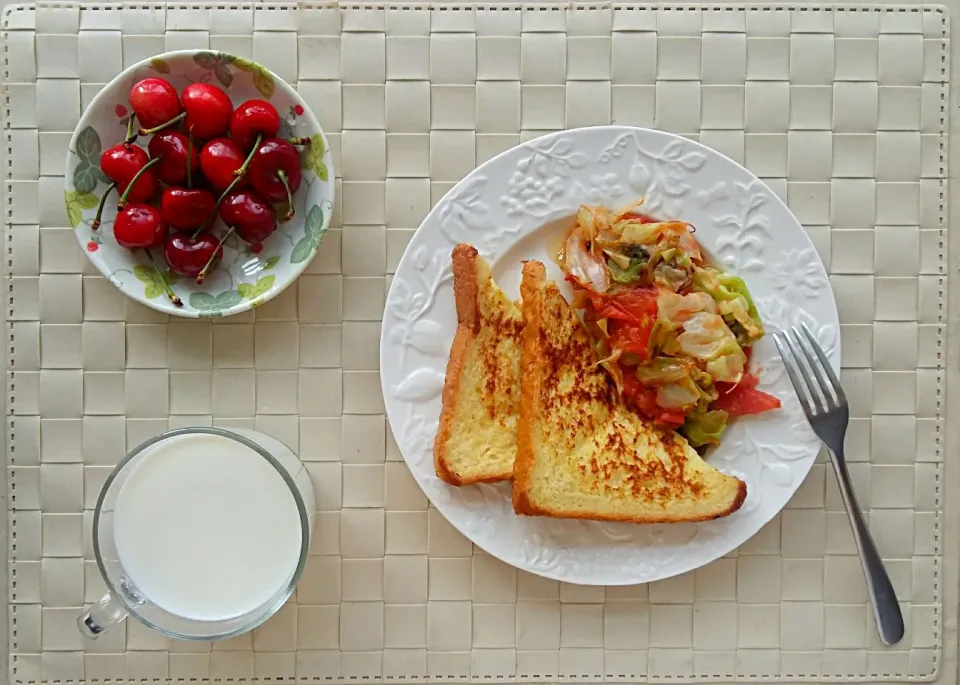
(201, 533)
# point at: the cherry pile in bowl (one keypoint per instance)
(205, 160)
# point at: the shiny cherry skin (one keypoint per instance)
(184, 208)
(218, 160)
(251, 217)
(121, 163)
(251, 119)
(139, 226)
(171, 147)
(272, 156)
(154, 101)
(208, 110)
(188, 256)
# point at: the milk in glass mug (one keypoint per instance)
(201, 533)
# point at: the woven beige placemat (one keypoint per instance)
(842, 111)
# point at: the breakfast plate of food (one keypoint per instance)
(575, 359)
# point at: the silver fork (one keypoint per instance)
(825, 407)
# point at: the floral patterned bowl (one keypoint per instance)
(248, 276)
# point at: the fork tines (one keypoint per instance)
(810, 372)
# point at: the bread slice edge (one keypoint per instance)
(466, 290)
(534, 274)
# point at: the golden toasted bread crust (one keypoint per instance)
(465, 291)
(530, 377)
(648, 479)
(737, 502)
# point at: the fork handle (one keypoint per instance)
(886, 609)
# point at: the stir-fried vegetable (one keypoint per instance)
(707, 338)
(705, 427)
(631, 273)
(663, 370)
(673, 331)
(630, 316)
(583, 266)
(677, 309)
(733, 300)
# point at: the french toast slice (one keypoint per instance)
(477, 438)
(581, 452)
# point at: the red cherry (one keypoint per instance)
(275, 171)
(171, 147)
(220, 158)
(121, 163)
(252, 218)
(188, 255)
(139, 226)
(184, 208)
(251, 119)
(154, 101)
(208, 110)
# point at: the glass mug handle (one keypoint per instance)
(101, 617)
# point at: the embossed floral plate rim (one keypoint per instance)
(246, 278)
(501, 208)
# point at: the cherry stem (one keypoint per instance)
(172, 296)
(189, 160)
(299, 141)
(243, 169)
(150, 131)
(103, 200)
(238, 176)
(211, 263)
(282, 175)
(122, 202)
(129, 138)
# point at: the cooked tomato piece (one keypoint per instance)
(670, 419)
(748, 382)
(744, 398)
(630, 337)
(631, 315)
(645, 400)
(635, 305)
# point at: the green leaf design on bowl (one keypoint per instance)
(312, 159)
(217, 62)
(262, 79)
(160, 66)
(270, 263)
(88, 145)
(86, 175)
(253, 290)
(152, 285)
(313, 234)
(76, 203)
(210, 305)
(85, 178)
(207, 60)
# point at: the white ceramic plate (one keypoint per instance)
(246, 278)
(509, 208)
